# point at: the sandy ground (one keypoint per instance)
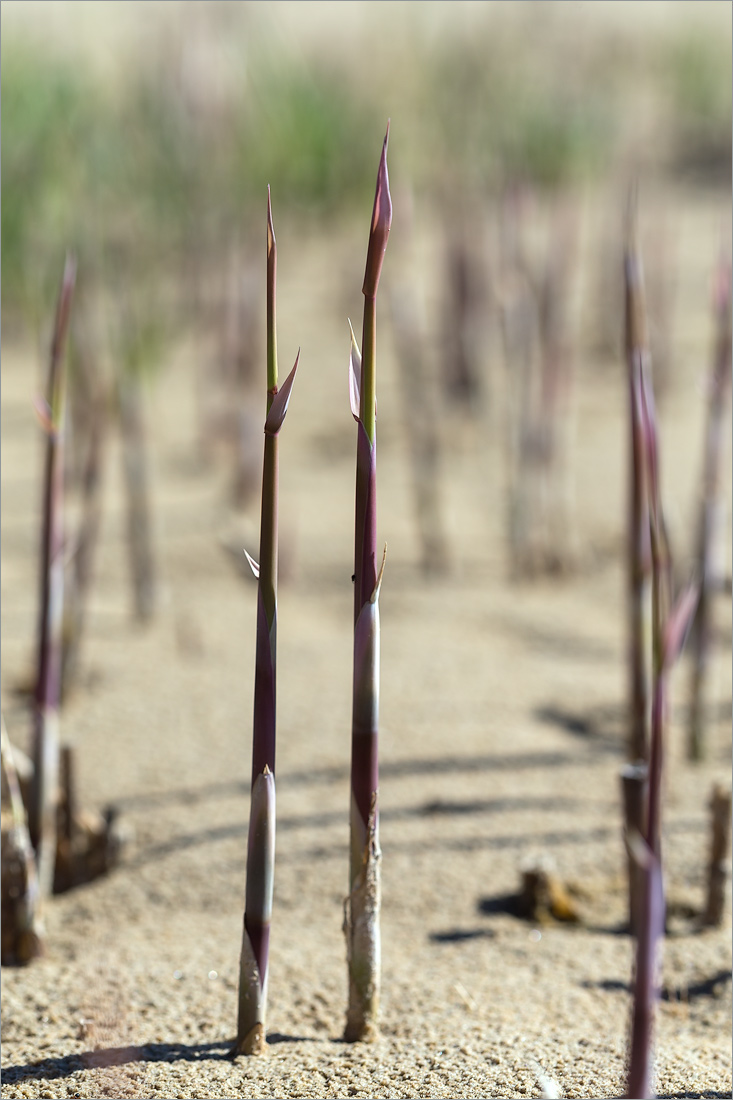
(502, 733)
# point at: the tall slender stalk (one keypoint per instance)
(719, 388)
(361, 915)
(639, 562)
(45, 754)
(251, 1029)
(669, 630)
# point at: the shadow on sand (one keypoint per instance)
(50, 1069)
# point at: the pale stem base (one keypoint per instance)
(363, 946)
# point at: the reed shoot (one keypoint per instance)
(251, 1023)
(361, 918)
(45, 753)
(669, 630)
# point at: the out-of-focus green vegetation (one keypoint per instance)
(48, 122)
(696, 77)
(501, 117)
(153, 174)
(134, 182)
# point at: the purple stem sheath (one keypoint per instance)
(261, 838)
(361, 923)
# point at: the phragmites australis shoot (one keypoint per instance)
(251, 1024)
(639, 547)
(670, 625)
(361, 915)
(711, 513)
(45, 753)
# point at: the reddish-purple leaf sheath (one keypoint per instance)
(656, 751)
(645, 991)
(365, 712)
(263, 740)
(366, 520)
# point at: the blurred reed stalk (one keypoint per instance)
(45, 753)
(253, 973)
(719, 864)
(711, 508)
(91, 428)
(660, 297)
(519, 321)
(227, 391)
(634, 788)
(361, 908)
(21, 928)
(465, 311)
(136, 472)
(670, 625)
(537, 351)
(420, 415)
(555, 400)
(639, 544)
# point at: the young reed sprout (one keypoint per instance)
(718, 395)
(251, 1023)
(639, 547)
(670, 625)
(361, 915)
(45, 754)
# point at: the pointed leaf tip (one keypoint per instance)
(253, 565)
(271, 242)
(354, 376)
(280, 402)
(381, 225)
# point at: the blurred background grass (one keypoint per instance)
(144, 135)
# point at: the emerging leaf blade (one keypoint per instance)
(280, 402)
(354, 375)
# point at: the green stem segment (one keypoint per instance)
(251, 1025)
(361, 917)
